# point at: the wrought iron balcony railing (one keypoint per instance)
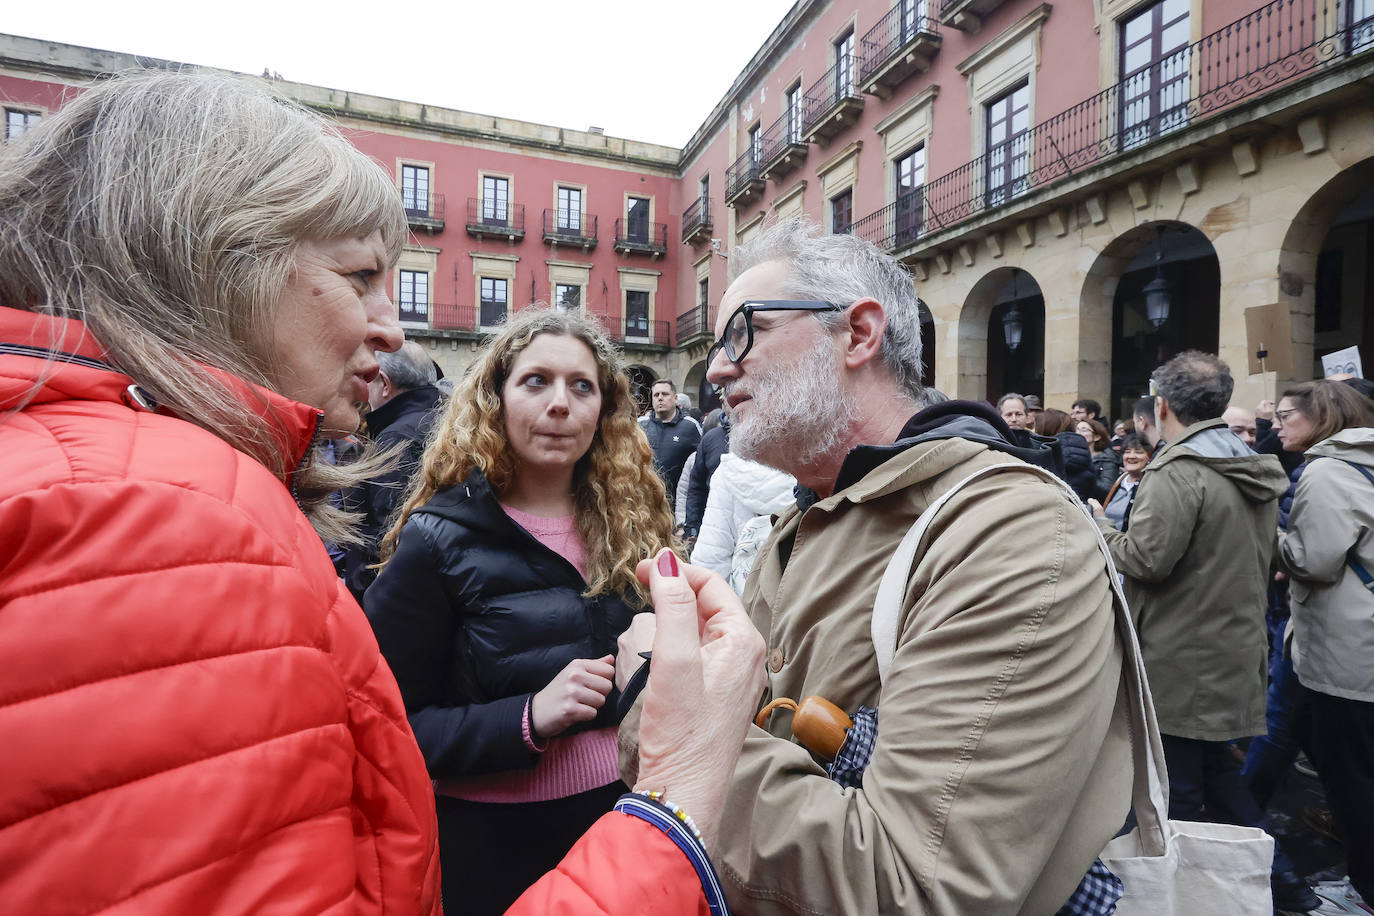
(425, 214)
(1280, 43)
(902, 43)
(692, 324)
(495, 218)
(453, 317)
(696, 221)
(896, 225)
(743, 182)
(634, 330)
(634, 236)
(570, 227)
(781, 148)
(832, 102)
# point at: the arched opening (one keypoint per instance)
(1324, 271)
(704, 396)
(1002, 337)
(1344, 295)
(641, 381)
(927, 345)
(1164, 281)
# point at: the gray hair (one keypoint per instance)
(1010, 396)
(1197, 386)
(163, 210)
(843, 269)
(409, 367)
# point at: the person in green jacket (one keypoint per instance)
(1195, 561)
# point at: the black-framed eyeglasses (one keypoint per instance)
(739, 330)
(1282, 415)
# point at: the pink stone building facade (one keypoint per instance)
(1079, 188)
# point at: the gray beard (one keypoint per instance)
(797, 413)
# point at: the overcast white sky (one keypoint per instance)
(648, 70)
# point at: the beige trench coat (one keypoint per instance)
(1002, 763)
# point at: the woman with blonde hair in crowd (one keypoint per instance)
(1328, 553)
(509, 575)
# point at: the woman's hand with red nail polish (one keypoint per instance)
(704, 685)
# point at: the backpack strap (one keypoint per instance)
(1351, 558)
(1150, 789)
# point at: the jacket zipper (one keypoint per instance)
(9, 349)
(304, 459)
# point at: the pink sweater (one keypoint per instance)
(567, 765)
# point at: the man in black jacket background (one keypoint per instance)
(403, 401)
(673, 435)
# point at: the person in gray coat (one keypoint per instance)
(1328, 552)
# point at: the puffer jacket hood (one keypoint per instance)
(757, 488)
(1259, 478)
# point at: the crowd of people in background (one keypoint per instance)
(510, 675)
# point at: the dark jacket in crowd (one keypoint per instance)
(1078, 465)
(672, 442)
(714, 443)
(474, 615)
(404, 420)
(1106, 469)
(1267, 443)
(975, 421)
(1286, 500)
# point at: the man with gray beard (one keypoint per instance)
(997, 764)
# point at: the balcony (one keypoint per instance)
(453, 317)
(1281, 44)
(634, 331)
(901, 44)
(562, 227)
(430, 218)
(743, 183)
(967, 15)
(896, 225)
(831, 104)
(633, 236)
(781, 149)
(693, 327)
(696, 222)
(491, 219)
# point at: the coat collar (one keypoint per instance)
(44, 360)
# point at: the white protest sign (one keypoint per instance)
(1343, 361)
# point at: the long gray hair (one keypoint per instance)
(164, 210)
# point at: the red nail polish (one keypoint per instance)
(667, 564)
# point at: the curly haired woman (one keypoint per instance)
(511, 572)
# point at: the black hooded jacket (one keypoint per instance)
(971, 420)
(474, 615)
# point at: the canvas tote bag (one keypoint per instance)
(1169, 868)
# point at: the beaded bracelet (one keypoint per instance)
(658, 797)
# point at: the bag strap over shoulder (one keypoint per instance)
(1351, 558)
(1150, 792)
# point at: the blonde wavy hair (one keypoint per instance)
(622, 511)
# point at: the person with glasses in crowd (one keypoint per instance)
(1327, 549)
(819, 360)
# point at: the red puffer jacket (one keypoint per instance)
(194, 715)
